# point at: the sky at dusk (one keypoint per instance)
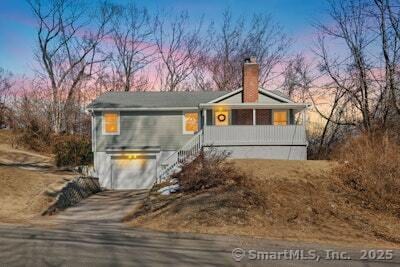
(17, 23)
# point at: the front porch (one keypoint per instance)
(254, 135)
(254, 124)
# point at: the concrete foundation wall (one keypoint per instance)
(266, 152)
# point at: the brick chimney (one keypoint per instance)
(250, 80)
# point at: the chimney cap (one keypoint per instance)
(251, 59)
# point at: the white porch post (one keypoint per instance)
(204, 118)
(204, 126)
(254, 116)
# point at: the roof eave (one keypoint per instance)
(91, 109)
(261, 90)
(272, 94)
(225, 96)
(258, 105)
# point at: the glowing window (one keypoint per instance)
(191, 122)
(280, 117)
(111, 123)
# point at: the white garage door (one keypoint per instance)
(133, 172)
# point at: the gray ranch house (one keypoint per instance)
(141, 137)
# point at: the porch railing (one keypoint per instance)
(255, 135)
(187, 152)
(230, 136)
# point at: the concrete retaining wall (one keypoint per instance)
(73, 192)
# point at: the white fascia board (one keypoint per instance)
(258, 105)
(260, 90)
(271, 94)
(141, 109)
(225, 96)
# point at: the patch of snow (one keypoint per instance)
(169, 189)
(165, 193)
(173, 181)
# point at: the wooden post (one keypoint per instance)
(254, 116)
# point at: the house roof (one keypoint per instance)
(154, 99)
(157, 99)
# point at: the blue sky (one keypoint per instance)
(17, 28)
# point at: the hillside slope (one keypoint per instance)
(302, 202)
(28, 182)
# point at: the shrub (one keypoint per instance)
(34, 134)
(209, 169)
(72, 150)
(370, 171)
(212, 169)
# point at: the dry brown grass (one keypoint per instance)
(28, 182)
(302, 202)
(370, 171)
(24, 194)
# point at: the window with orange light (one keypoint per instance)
(111, 123)
(280, 117)
(191, 124)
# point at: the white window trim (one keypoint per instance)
(184, 122)
(103, 130)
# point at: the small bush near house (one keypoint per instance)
(212, 169)
(72, 150)
(30, 141)
(213, 192)
(370, 171)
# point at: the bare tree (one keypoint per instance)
(5, 87)
(201, 77)
(239, 38)
(134, 48)
(388, 24)
(363, 84)
(369, 76)
(68, 49)
(225, 62)
(179, 46)
(297, 78)
(351, 75)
